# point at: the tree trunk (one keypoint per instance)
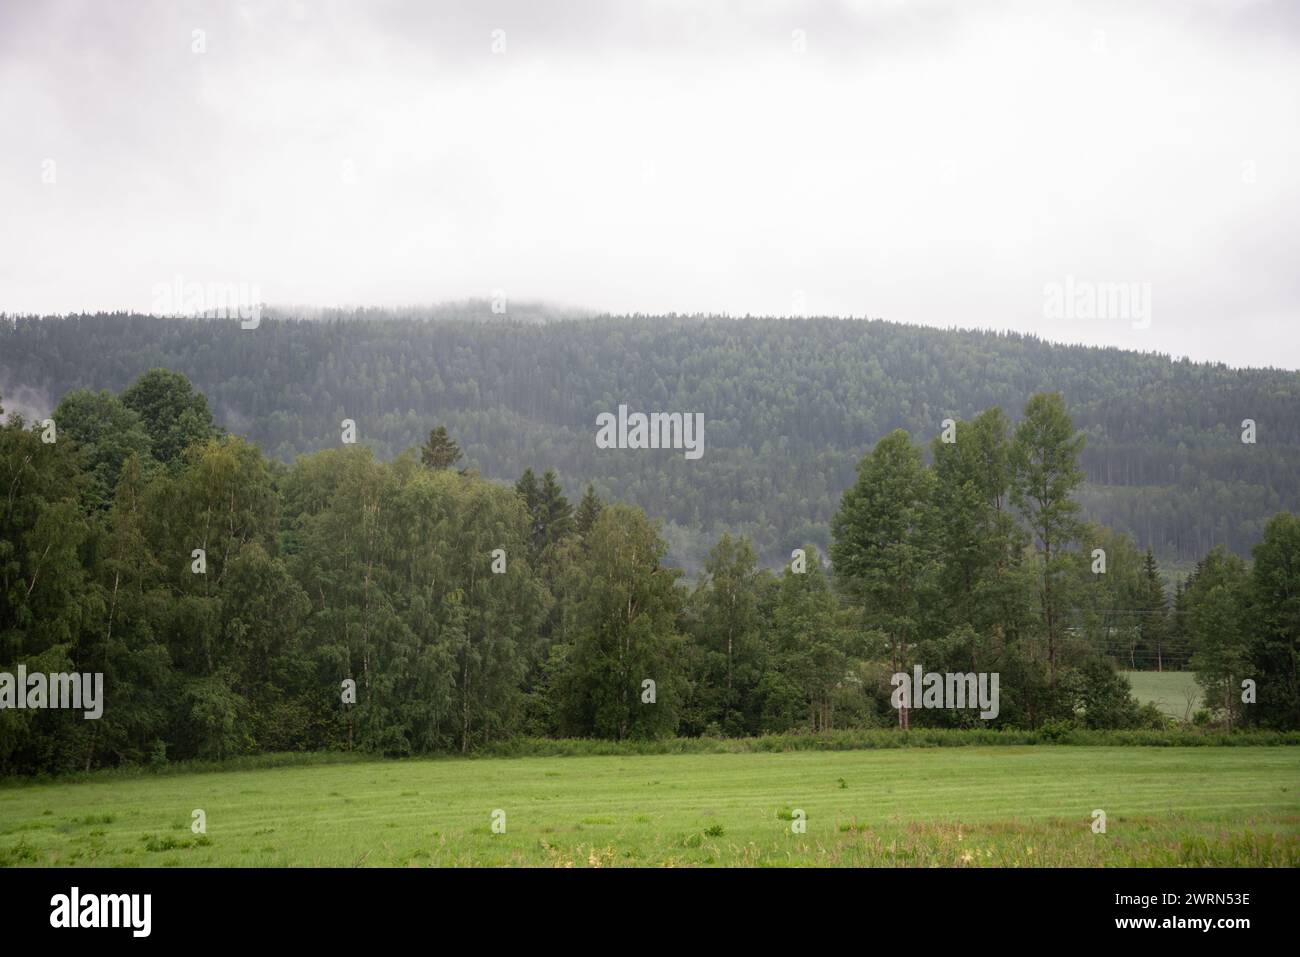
(902, 709)
(1047, 613)
(464, 726)
(108, 637)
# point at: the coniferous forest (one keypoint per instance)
(789, 406)
(396, 599)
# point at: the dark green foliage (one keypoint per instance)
(727, 654)
(789, 404)
(1275, 597)
(440, 451)
(173, 415)
(885, 550)
(624, 635)
(588, 511)
(808, 652)
(1218, 593)
(1102, 696)
(106, 433)
(468, 613)
(1045, 474)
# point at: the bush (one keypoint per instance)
(1056, 730)
(1151, 718)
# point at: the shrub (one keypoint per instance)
(1054, 730)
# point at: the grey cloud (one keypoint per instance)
(924, 161)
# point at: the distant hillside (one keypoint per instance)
(790, 405)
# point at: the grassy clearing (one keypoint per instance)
(1176, 693)
(966, 806)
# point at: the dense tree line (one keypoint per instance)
(237, 604)
(788, 405)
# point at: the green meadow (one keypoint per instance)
(1176, 693)
(970, 806)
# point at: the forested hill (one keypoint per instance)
(790, 405)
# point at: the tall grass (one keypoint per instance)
(847, 740)
(874, 738)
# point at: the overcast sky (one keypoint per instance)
(924, 162)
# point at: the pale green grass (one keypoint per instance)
(942, 806)
(1176, 693)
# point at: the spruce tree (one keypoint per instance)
(440, 451)
(588, 511)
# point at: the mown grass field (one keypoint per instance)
(1176, 693)
(973, 806)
